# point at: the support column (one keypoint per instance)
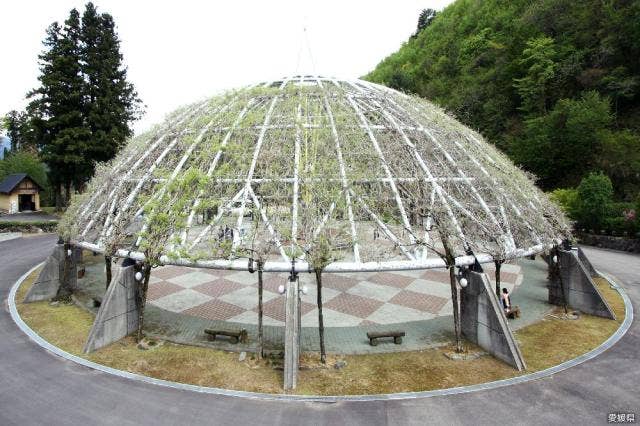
(292, 334)
(571, 283)
(118, 313)
(484, 322)
(49, 280)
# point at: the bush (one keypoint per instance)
(595, 201)
(567, 199)
(24, 226)
(623, 219)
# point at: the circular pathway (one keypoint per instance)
(38, 387)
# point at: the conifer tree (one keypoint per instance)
(425, 19)
(82, 110)
(56, 108)
(15, 125)
(111, 101)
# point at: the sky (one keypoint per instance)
(179, 52)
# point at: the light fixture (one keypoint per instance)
(281, 289)
(555, 259)
(138, 276)
(463, 282)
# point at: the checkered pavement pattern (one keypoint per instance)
(353, 299)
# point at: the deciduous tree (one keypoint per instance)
(538, 58)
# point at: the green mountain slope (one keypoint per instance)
(554, 83)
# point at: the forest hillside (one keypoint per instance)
(553, 83)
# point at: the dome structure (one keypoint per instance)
(309, 172)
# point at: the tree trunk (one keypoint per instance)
(67, 193)
(498, 264)
(58, 196)
(107, 266)
(450, 261)
(323, 355)
(456, 308)
(260, 313)
(556, 271)
(142, 299)
(64, 292)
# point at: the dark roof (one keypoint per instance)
(11, 181)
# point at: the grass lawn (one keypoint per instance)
(544, 344)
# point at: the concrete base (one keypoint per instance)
(292, 335)
(573, 284)
(118, 314)
(484, 322)
(48, 282)
(585, 262)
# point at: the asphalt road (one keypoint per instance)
(37, 387)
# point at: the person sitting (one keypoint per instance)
(510, 311)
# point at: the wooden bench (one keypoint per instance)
(396, 334)
(234, 335)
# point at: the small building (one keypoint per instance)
(19, 193)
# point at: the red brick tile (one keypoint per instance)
(271, 282)
(306, 307)
(275, 309)
(217, 287)
(168, 272)
(161, 289)
(353, 305)
(338, 282)
(215, 273)
(391, 279)
(214, 309)
(436, 275)
(419, 301)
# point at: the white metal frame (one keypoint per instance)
(401, 116)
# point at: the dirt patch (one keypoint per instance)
(544, 344)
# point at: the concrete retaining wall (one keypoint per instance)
(484, 323)
(575, 286)
(48, 283)
(610, 242)
(118, 314)
(586, 262)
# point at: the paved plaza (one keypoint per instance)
(182, 302)
(350, 299)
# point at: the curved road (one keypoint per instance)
(37, 387)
